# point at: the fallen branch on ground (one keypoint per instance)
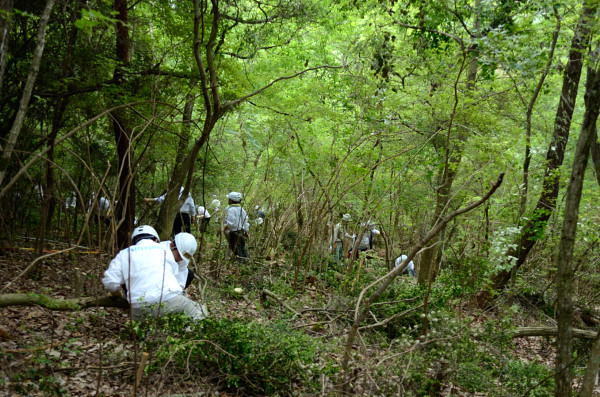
(61, 304)
(522, 332)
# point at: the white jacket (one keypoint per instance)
(148, 271)
(236, 219)
(181, 270)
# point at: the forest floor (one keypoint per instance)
(88, 352)
(45, 352)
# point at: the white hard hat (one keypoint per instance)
(235, 197)
(346, 217)
(186, 245)
(143, 232)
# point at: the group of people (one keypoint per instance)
(369, 231)
(235, 223)
(154, 274)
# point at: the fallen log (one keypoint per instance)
(522, 332)
(75, 304)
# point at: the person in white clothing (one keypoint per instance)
(204, 218)
(236, 225)
(409, 269)
(337, 239)
(101, 210)
(183, 247)
(185, 216)
(147, 269)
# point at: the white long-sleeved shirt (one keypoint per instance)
(102, 208)
(202, 212)
(148, 271)
(181, 270)
(409, 267)
(188, 206)
(365, 242)
(236, 219)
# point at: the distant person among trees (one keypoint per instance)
(100, 210)
(260, 215)
(337, 239)
(183, 247)
(409, 269)
(236, 225)
(185, 216)
(366, 242)
(203, 217)
(215, 204)
(146, 268)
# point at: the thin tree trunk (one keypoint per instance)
(49, 199)
(591, 371)
(173, 202)
(528, 114)
(555, 155)
(564, 273)
(15, 130)
(596, 154)
(125, 206)
(5, 28)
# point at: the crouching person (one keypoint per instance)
(147, 269)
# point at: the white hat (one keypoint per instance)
(186, 245)
(235, 197)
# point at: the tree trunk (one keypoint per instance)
(591, 371)
(172, 202)
(15, 130)
(564, 273)
(596, 154)
(555, 155)
(5, 28)
(125, 206)
(49, 199)
(528, 113)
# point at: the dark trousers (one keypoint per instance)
(237, 243)
(190, 278)
(204, 224)
(182, 223)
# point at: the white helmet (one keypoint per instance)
(235, 197)
(346, 217)
(143, 232)
(186, 245)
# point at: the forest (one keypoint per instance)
(420, 180)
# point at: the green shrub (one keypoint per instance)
(259, 358)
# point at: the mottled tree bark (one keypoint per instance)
(125, 206)
(564, 265)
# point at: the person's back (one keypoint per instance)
(410, 267)
(236, 225)
(146, 269)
